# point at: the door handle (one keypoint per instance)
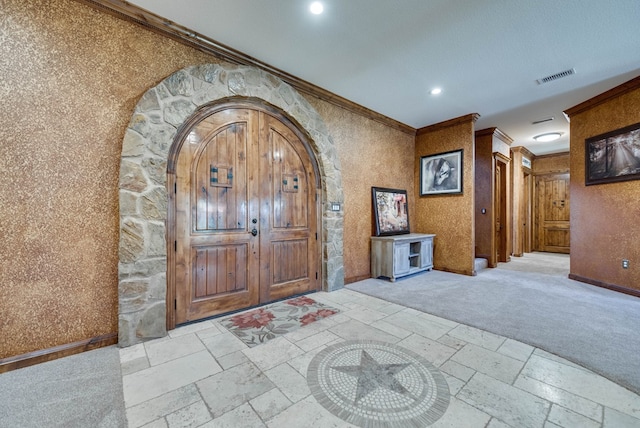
(254, 231)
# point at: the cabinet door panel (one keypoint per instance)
(426, 258)
(401, 259)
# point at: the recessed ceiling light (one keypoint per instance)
(316, 8)
(435, 91)
(548, 137)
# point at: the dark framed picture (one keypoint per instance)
(441, 174)
(390, 210)
(614, 156)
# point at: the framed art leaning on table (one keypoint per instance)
(391, 211)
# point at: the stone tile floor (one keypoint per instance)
(203, 376)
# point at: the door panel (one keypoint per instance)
(426, 253)
(288, 220)
(553, 213)
(217, 259)
(401, 259)
(219, 269)
(246, 215)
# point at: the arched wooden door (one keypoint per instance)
(246, 214)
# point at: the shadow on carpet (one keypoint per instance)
(82, 390)
(590, 326)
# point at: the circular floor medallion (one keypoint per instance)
(377, 384)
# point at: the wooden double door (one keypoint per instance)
(246, 213)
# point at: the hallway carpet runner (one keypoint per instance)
(268, 322)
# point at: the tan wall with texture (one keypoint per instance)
(604, 217)
(371, 155)
(450, 217)
(71, 77)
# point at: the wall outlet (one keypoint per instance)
(625, 264)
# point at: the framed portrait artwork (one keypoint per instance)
(390, 210)
(441, 174)
(614, 156)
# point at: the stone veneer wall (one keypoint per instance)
(143, 178)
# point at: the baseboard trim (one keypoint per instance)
(471, 272)
(618, 288)
(49, 354)
(356, 279)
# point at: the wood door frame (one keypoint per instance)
(527, 211)
(198, 115)
(501, 208)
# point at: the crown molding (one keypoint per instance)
(469, 118)
(625, 88)
(172, 30)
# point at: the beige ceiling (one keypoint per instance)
(486, 55)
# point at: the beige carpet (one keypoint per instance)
(531, 299)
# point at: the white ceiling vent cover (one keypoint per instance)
(556, 76)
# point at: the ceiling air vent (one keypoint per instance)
(556, 76)
(546, 119)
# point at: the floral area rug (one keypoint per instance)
(268, 322)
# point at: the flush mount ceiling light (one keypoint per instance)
(548, 137)
(316, 8)
(435, 91)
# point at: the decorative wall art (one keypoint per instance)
(614, 156)
(441, 173)
(391, 211)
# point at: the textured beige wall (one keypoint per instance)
(71, 76)
(604, 217)
(450, 217)
(371, 155)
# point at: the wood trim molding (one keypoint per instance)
(357, 278)
(502, 158)
(41, 356)
(626, 87)
(496, 132)
(525, 152)
(553, 155)
(473, 117)
(619, 289)
(167, 28)
(471, 272)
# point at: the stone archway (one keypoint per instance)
(143, 183)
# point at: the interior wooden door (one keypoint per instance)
(245, 217)
(288, 214)
(552, 197)
(501, 249)
(498, 211)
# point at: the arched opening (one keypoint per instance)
(242, 224)
(144, 188)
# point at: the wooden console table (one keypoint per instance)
(401, 255)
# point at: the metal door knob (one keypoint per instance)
(254, 231)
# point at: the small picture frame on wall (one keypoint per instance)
(391, 211)
(614, 156)
(441, 174)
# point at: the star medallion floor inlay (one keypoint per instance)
(369, 383)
